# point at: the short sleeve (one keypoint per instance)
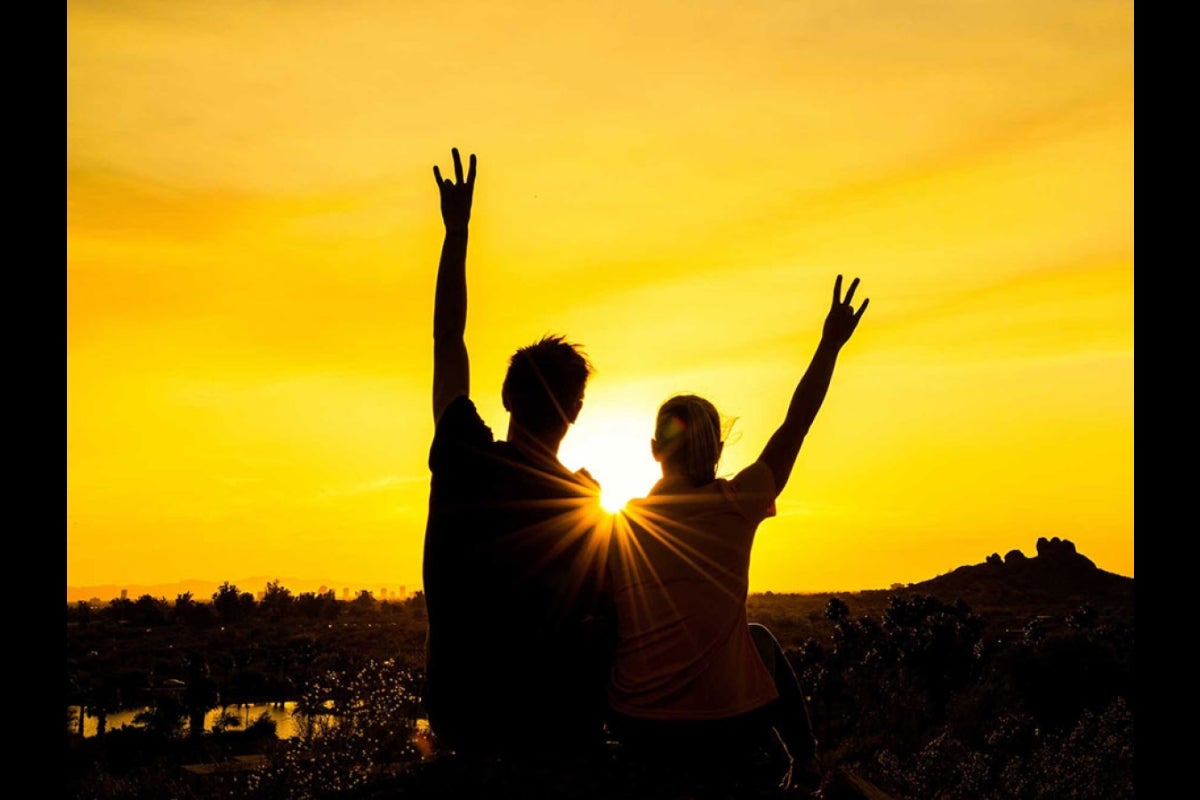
(753, 491)
(459, 431)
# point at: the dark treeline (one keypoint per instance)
(924, 697)
(228, 605)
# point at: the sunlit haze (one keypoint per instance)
(253, 233)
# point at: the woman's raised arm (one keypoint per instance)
(784, 445)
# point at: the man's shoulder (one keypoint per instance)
(461, 419)
(460, 409)
(545, 472)
(586, 480)
(458, 435)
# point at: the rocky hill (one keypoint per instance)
(1056, 582)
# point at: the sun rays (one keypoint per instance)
(613, 443)
(578, 544)
(641, 527)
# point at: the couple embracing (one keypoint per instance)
(555, 628)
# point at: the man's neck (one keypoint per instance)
(540, 446)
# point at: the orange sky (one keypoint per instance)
(253, 233)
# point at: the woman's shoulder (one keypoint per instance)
(752, 489)
(754, 476)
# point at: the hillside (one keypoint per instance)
(1008, 593)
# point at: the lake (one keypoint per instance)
(285, 725)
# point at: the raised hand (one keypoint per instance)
(451, 366)
(784, 445)
(457, 193)
(842, 319)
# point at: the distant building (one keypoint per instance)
(124, 594)
(345, 592)
(402, 593)
(383, 593)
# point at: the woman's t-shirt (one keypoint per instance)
(680, 563)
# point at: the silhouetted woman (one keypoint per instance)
(694, 685)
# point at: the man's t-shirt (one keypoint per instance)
(514, 581)
(680, 578)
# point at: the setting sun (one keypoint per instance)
(615, 449)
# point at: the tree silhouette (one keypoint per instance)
(364, 603)
(188, 611)
(199, 693)
(149, 611)
(230, 605)
(317, 606)
(277, 601)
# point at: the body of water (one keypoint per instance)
(281, 713)
(286, 723)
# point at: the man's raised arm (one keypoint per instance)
(451, 367)
(784, 445)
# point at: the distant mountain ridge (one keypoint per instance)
(204, 589)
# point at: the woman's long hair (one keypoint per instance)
(688, 437)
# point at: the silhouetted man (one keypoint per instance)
(514, 562)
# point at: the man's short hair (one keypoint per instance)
(544, 382)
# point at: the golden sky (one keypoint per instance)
(253, 233)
